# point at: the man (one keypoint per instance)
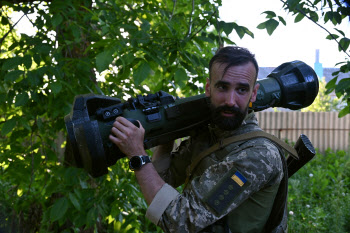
(232, 189)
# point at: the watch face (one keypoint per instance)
(135, 162)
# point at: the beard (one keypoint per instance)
(228, 123)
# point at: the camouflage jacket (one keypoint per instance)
(233, 187)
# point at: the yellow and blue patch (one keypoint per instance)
(239, 179)
(225, 191)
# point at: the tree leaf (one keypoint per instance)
(269, 14)
(33, 78)
(13, 75)
(331, 84)
(262, 25)
(240, 30)
(314, 16)
(4, 21)
(37, 58)
(56, 20)
(12, 63)
(228, 41)
(247, 31)
(344, 42)
(281, 19)
(180, 77)
(298, 18)
(103, 60)
(340, 31)
(55, 87)
(336, 18)
(43, 49)
(342, 86)
(271, 25)
(332, 37)
(228, 27)
(205, 38)
(27, 61)
(327, 16)
(8, 126)
(25, 123)
(293, 4)
(59, 209)
(74, 201)
(21, 99)
(344, 111)
(141, 73)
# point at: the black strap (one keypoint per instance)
(279, 207)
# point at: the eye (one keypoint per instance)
(242, 90)
(221, 87)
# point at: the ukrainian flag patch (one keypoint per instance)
(226, 190)
(239, 179)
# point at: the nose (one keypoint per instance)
(230, 99)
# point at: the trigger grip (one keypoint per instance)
(135, 122)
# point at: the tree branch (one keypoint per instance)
(11, 28)
(219, 33)
(211, 16)
(190, 21)
(303, 13)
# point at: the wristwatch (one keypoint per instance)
(136, 162)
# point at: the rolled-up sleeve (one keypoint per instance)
(160, 202)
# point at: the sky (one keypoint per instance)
(296, 41)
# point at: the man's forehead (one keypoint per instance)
(220, 70)
(219, 66)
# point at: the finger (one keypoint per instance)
(121, 127)
(118, 133)
(125, 122)
(141, 127)
(114, 139)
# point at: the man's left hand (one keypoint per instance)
(128, 137)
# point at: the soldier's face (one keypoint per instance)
(230, 93)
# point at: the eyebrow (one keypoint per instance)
(246, 85)
(220, 82)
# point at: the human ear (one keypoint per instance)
(207, 88)
(254, 93)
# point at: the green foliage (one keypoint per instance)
(271, 23)
(334, 12)
(116, 48)
(342, 89)
(5, 27)
(319, 197)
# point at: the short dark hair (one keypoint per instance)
(233, 56)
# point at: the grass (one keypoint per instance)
(319, 197)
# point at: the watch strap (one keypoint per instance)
(142, 160)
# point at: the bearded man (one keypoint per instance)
(233, 189)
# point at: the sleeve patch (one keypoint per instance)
(225, 191)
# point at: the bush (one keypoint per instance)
(319, 197)
(69, 200)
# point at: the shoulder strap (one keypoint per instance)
(237, 138)
(277, 221)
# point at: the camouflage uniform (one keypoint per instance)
(233, 187)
